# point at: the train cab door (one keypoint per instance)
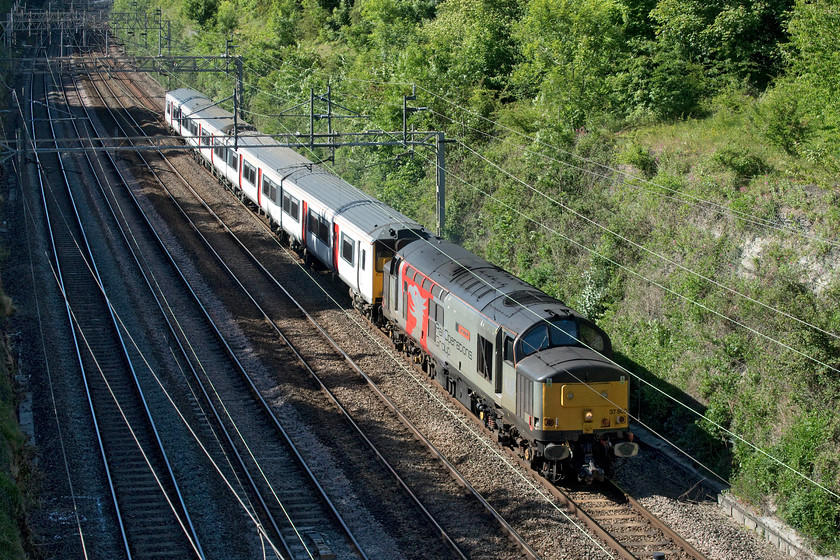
(505, 368)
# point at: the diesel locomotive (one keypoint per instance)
(536, 372)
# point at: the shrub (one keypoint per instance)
(746, 165)
(641, 158)
(780, 119)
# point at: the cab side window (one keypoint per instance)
(508, 349)
(485, 358)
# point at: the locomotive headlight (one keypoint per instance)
(587, 416)
(621, 419)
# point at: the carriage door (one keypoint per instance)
(393, 285)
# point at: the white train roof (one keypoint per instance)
(329, 191)
(196, 105)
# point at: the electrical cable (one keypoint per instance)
(760, 334)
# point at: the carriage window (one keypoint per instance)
(291, 206)
(249, 173)
(485, 358)
(233, 159)
(319, 227)
(324, 231)
(168, 107)
(269, 189)
(347, 248)
(312, 223)
(363, 259)
(219, 150)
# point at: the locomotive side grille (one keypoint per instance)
(524, 396)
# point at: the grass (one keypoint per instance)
(713, 195)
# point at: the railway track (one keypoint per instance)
(232, 261)
(289, 501)
(630, 531)
(152, 519)
(643, 537)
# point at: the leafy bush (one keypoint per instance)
(780, 119)
(202, 12)
(745, 164)
(641, 158)
(800, 503)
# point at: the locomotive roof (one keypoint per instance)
(364, 211)
(499, 295)
(568, 364)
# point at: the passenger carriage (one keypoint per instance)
(324, 217)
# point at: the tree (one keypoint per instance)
(201, 11)
(571, 49)
(814, 56)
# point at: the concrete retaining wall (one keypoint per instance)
(775, 535)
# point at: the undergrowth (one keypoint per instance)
(702, 241)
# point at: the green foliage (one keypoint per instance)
(558, 94)
(639, 157)
(812, 84)
(746, 165)
(202, 12)
(780, 118)
(570, 50)
(468, 44)
(227, 17)
(728, 37)
(801, 503)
